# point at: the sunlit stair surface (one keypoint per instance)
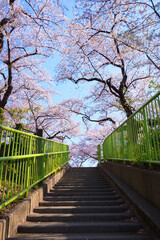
(82, 206)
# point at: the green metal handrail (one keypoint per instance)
(25, 160)
(138, 138)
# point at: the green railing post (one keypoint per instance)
(147, 136)
(99, 153)
(122, 141)
(28, 166)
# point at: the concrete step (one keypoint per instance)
(87, 181)
(85, 175)
(57, 187)
(79, 227)
(90, 186)
(82, 203)
(81, 177)
(83, 190)
(90, 236)
(52, 197)
(82, 182)
(78, 193)
(81, 209)
(80, 217)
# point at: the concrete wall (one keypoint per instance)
(145, 182)
(140, 190)
(9, 223)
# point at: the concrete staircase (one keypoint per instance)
(82, 206)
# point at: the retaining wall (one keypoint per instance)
(10, 222)
(140, 188)
(145, 182)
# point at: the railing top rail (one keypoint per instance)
(18, 131)
(27, 134)
(150, 100)
(31, 155)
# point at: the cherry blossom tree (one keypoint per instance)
(95, 50)
(86, 148)
(28, 35)
(142, 29)
(33, 107)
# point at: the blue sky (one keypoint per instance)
(68, 89)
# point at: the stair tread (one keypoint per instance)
(110, 236)
(82, 202)
(79, 217)
(79, 227)
(77, 224)
(56, 198)
(82, 190)
(81, 207)
(82, 193)
(83, 216)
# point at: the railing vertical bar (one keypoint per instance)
(33, 170)
(13, 174)
(25, 174)
(6, 153)
(23, 165)
(1, 164)
(16, 144)
(157, 113)
(18, 162)
(9, 179)
(19, 175)
(4, 184)
(155, 133)
(150, 132)
(1, 136)
(122, 139)
(112, 143)
(136, 132)
(141, 127)
(12, 151)
(5, 143)
(28, 165)
(9, 145)
(158, 126)
(22, 178)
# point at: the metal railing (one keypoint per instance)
(25, 160)
(138, 138)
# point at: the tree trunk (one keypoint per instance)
(127, 108)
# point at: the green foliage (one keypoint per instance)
(18, 114)
(1, 116)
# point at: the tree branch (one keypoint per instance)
(153, 62)
(109, 60)
(87, 79)
(24, 56)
